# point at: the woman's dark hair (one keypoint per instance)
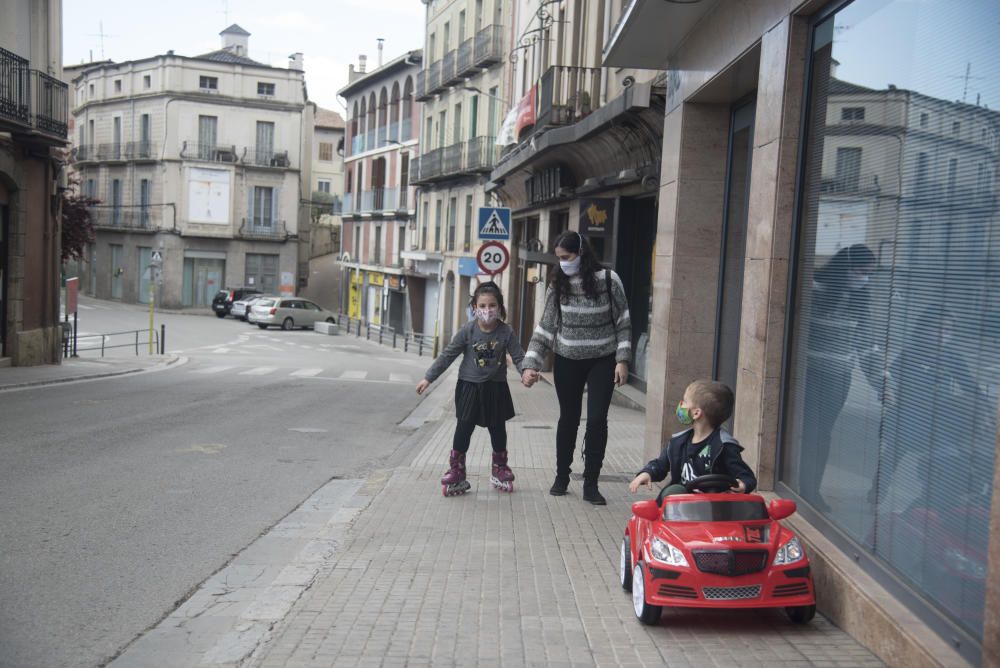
(489, 288)
(574, 242)
(846, 259)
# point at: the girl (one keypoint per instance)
(482, 396)
(586, 323)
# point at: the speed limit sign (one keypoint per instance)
(493, 257)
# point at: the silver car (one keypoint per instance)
(241, 308)
(289, 312)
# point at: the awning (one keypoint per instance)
(649, 32)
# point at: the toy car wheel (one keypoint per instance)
(801, 614)
(647, 614)
(625, 565)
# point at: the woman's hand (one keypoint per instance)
(621, 373)
(529, 377)
(423, 385)
(641, 480)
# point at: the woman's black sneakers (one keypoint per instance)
(559, 486)
(592, 494)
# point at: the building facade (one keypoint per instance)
(199, 159)
(379, 207)
(326, 182)
(581, 151)
(827, 234)
(464, 91)
(33, 129)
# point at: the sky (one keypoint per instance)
(330, 33)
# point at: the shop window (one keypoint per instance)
(890, 411)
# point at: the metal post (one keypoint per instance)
(163, 339)
(406, 343)
(359, 326)
(137, 343)
(420, 348)
(394, 339)
(76, 322)
(65, 339)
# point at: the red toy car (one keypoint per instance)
(714, 550)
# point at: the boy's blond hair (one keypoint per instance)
(714, 399)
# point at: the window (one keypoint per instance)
(378, 244)
(852, 114)
(116, 202)
(116, 137)
(262, 206)
(91, 189)
(91, 90)
(456, 136)
(207, 133)
(265, 89)
(357, 242)
(147, 81)
(348, 182)
(325, 151)
(265, 144)
(473, 116)
(437, 225)
(118, 85)
(894, 316)
(323, 186)
(452, 222)
(424, 222)
(208, 83)
(467, 239)
(144, 202)
(848, 168)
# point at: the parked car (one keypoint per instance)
(241, 308)
(289, 312)
(222, 303)
(714, 549)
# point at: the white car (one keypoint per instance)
(241, 310)
(289, 313)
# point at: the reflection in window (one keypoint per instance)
(891, 406)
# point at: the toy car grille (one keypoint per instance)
(730, 562)
(677, 591)
(731, 593)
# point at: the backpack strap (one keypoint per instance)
(611, 300)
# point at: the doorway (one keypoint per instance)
(449, 308)
(117, 270)
(4, 250)
(734, 242)
(635, 241)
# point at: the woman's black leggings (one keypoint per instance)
(463, 436)
(571, 376)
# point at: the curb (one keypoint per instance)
(91, 376)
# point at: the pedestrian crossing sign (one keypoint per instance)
(494, 223)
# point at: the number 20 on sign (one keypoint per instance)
(493, 257)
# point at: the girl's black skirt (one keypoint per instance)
(487, 404)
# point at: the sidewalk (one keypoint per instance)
(80, 368)
(512, 579)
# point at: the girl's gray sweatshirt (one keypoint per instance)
(485, 354)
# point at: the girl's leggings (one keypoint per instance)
(463, 436)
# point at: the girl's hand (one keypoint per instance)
(621, 373)
(423, 385)
(641, 480)
(529, 377)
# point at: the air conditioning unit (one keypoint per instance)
(225, 155)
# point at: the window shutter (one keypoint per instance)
(250, 219)
(274, 206)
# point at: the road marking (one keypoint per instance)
(213, 369)
(306, 372)
(259, 371)
(354, 375)
(220, 350)
(307, 430)
(399, 378)
(204, 448)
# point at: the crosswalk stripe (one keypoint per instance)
(220, 350)
(306, 372)
(259, 371)
(213, 369)
(354, 375)
(399, 378)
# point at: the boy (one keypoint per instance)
(703, 448)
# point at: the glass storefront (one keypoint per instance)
(890, 413)
(202, 280)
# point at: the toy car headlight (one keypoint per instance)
(667, 553)
(789, 553)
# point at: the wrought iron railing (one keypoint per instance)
(475, 155)
(448, 71)
(568, 94)
(192, 150)
(265, 156)
(434, 77)
(420, 91)
(140, 150)
(32, 98)
(275, 231)
(463, 57)
(488, 47)
(348, 206)
(110, 151)
(386, 335)
(125, 218)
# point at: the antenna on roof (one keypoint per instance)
(102, 35)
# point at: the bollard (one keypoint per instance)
(359, 326)
(393, 339)
(163, 339)
(137, 343)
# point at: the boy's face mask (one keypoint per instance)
(683, 414)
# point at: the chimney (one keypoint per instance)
(236, 40)
(362, 62)
(295, 61)
(379, 40)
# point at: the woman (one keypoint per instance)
(586, 322)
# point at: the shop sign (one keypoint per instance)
(468, 266)
(374, 278)
(595, 216)
(393, 282)
(287, 285)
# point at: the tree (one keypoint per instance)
(77, 226)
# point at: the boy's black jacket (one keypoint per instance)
(725, 451)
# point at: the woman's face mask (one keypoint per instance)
(570, 267)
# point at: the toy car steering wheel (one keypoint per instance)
(712, 483)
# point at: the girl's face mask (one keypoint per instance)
(570, 267)
(487, 315)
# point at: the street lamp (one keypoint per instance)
(475, 89)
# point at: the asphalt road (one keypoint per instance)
(119, 496)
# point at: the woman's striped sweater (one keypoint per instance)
(584, 330)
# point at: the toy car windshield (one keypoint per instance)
(714, 511)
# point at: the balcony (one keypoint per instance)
(434, 78)
(475, 155)
(463, 58)
(377, 200)
(85, 153)
(32, 99)
(140, 150)
(488, 48)
(123, 219)
(357, 144)
(110, 152)
(420, 91)
(348, 204)
(266, 156)
(449, 74)
(192, 150)
(568, 94)
(263, 231)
